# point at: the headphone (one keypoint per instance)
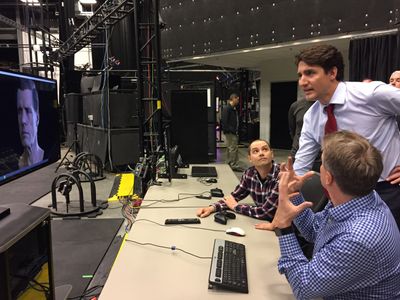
(223, 216)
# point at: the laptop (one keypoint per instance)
(201, 171)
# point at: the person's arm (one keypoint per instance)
(307, 222)
(224, 119)
(394, 176)
(337, 268)
(292, 120)
(309, 147)
(205, 211)
(388, 104)
(264, 212)
(241, 191)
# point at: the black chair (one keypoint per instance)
(313, 191)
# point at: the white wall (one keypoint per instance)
(272, 71)
(279, 70)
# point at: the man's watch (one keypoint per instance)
(284, 231)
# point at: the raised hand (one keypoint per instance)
(286, 211)
(295, 181)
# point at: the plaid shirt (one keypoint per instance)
(356, 253)
(264, 194)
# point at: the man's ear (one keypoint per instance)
(332, 73)
(328, 178)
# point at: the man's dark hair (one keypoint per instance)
(233, 95)
(27, 84)
(258, 140)
(325, 56)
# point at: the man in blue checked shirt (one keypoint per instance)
(259, 181)
(357, 243)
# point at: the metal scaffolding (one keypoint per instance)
(148, 57)
(107, 15)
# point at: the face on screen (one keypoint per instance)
(28, 119)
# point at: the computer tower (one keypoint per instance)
(26, 268)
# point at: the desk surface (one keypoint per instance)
(148, 272)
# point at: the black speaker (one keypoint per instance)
(124, 144)
(189, 125)
(73, 108)
(123, 109)
(71, 133)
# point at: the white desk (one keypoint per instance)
(147, 272)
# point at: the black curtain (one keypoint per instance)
(374, 58)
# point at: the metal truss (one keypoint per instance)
(148, 56)
(54, 41)
(107, 15)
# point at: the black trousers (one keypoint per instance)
(390, 193)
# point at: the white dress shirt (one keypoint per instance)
(368, 109)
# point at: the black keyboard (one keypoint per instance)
(228, 266)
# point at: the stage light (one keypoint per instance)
(88, 1)
(31, 2)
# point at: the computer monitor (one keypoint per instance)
(29, 137)
(171, 158)
(175, 161)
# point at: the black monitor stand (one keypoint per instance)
(171, 158)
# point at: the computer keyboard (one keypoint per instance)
(228, 266)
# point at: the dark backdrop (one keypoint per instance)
(375, 58)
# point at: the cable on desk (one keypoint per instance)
(173, 248)
(187, 226)
(205, 193)
(173, 207)
(131, 205)
(203, 180)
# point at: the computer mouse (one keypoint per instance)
(235, 231)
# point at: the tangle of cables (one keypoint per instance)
(130, 208)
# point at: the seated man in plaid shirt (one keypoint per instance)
(259, 181)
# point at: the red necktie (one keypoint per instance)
(330, 125)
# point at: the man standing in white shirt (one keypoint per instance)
(368, 109)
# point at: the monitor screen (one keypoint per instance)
(29, 136)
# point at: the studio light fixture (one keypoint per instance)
(31, 2)
(88, 1)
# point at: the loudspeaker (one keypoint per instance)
(73, 108)
(124, 144)
(123, 109)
